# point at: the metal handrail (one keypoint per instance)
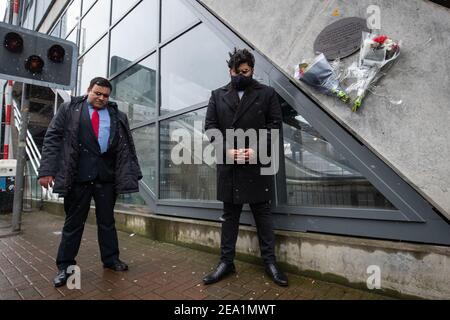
(18, 116)
(31, 149)
(33, 153)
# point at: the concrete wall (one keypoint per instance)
(413, 137)
(406, 269)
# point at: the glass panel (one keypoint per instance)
(317, 175)
(92, 65)
(94, 24)
(135, 91)
(28, 23)
(73, 36)
(129, 199)
(188, 180)
(70, 18)
(174, 17)
(86, 5)
(127, 46)
(120, 7)
(57, 30)
(188, 79)
(145, 140)
(41, 8)
(42, 105)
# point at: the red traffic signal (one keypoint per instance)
(34, 64)
(33, 57)
(56, 53)
(13, 42)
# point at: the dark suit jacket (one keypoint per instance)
(92, 164)
(61, 149)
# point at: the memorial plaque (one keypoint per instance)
(341, 38)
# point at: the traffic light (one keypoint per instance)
(35, 58)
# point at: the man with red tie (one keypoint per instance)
(88, 152)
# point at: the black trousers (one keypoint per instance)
(76, 205)
(264, 226)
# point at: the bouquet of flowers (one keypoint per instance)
(377, 55)
(322, 76)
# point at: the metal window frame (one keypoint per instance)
(106, 32)
(415, 221)
(60, 15)
(44, 16)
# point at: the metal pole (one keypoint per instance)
(2, 95)
(21, 160)
(8, 112)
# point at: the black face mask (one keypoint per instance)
(241, 82)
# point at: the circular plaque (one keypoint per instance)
(341, 38)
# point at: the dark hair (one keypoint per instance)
(239, 57)
(102, 82)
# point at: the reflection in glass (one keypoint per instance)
(191, 67)
(135, 91)
(94, 24)
(91, 66)
(120, 7)
(70, 18)
(317, 175)
(174, 17)
(145, 140)
(42, 105)
(129, 201)
(28, 16)
(41, 9)
(135, 35)
(73, 36)
(56, 30)
(186, 181)
(86, 5)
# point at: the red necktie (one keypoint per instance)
(95, 122)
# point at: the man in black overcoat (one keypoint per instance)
(244, 104)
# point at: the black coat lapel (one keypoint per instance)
(247, 100)
(112, 125)
(231, 98)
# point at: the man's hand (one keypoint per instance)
(46, 181)
(231, 154)
(249, 154)
(241, 155)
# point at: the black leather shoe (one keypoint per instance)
(61, 278)
(117, 266)
(276, 275)
(222, 270)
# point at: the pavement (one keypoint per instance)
(158, 271)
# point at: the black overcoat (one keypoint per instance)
(259, 108)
